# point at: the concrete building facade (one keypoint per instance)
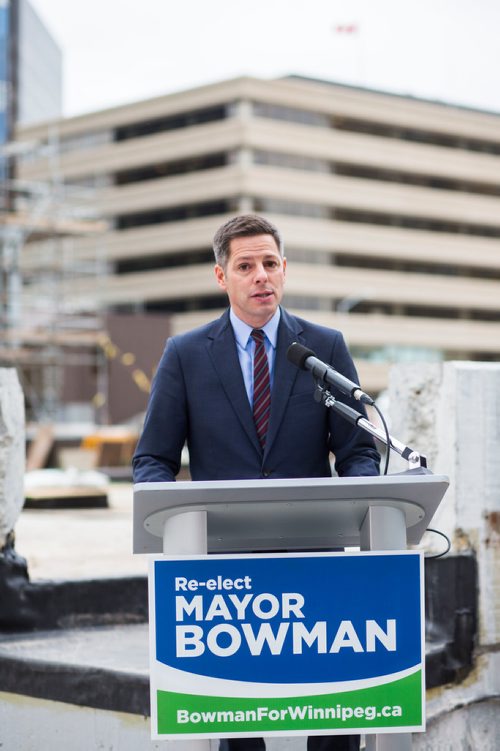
(389, 206)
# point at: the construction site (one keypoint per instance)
(59, 343)
(388, 205)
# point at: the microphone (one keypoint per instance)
(305, 359)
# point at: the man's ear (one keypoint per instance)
(220, 276)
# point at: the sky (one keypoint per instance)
(118, 51)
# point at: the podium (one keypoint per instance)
(382, 513)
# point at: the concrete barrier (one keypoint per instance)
(451, 411)
(12, 452)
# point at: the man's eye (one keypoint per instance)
(243, 266)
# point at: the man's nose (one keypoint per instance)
(261, 272)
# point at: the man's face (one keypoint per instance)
(253, 279)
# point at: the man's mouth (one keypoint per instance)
(263, 295)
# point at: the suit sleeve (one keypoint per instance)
(158, 454)
(354, 448)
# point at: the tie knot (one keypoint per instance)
(257, 335)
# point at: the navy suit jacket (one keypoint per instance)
(199, 396)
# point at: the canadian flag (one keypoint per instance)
(346, 28)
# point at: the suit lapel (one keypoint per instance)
(285, 373)
(223, 353)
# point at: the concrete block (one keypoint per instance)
(451, 412)
(414, 394)
(465, 729)
(12, 451)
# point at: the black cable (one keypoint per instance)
(448, 543)
(387, 437)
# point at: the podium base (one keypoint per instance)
(388, 742)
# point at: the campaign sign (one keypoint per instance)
(286, 644)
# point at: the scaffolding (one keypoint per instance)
(51, 235)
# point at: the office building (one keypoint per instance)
(30, 67)
(389, 206)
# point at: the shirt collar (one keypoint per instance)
(242, 330)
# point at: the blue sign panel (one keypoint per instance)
(329, 627)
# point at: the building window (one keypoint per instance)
(168, 169)
(173, 214)
(170, 122)
(185, 305)
(387, 130)
(407, 178)
(364, 172)
(291, 161)
(82, 142)
(293, 208)
(164, 261)
(412, 266)
(291, 114)
(411, 222)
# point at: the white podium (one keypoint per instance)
(375, 513)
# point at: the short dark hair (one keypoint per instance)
(246, 225)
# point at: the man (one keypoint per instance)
(241, 423)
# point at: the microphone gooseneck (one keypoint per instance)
(305, 359)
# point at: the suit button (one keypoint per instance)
(266, 473)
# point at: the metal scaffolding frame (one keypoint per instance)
(44, 330)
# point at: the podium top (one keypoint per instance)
(295, 514)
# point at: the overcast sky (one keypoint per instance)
(117, 51)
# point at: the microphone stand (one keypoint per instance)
(414, 458)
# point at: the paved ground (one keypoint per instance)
(91, 543)
(81, 543)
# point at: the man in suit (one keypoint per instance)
(203, 394)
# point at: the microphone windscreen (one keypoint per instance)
(298, 354)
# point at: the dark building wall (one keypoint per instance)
(80, 380)
(116, 377)
(141, 336)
